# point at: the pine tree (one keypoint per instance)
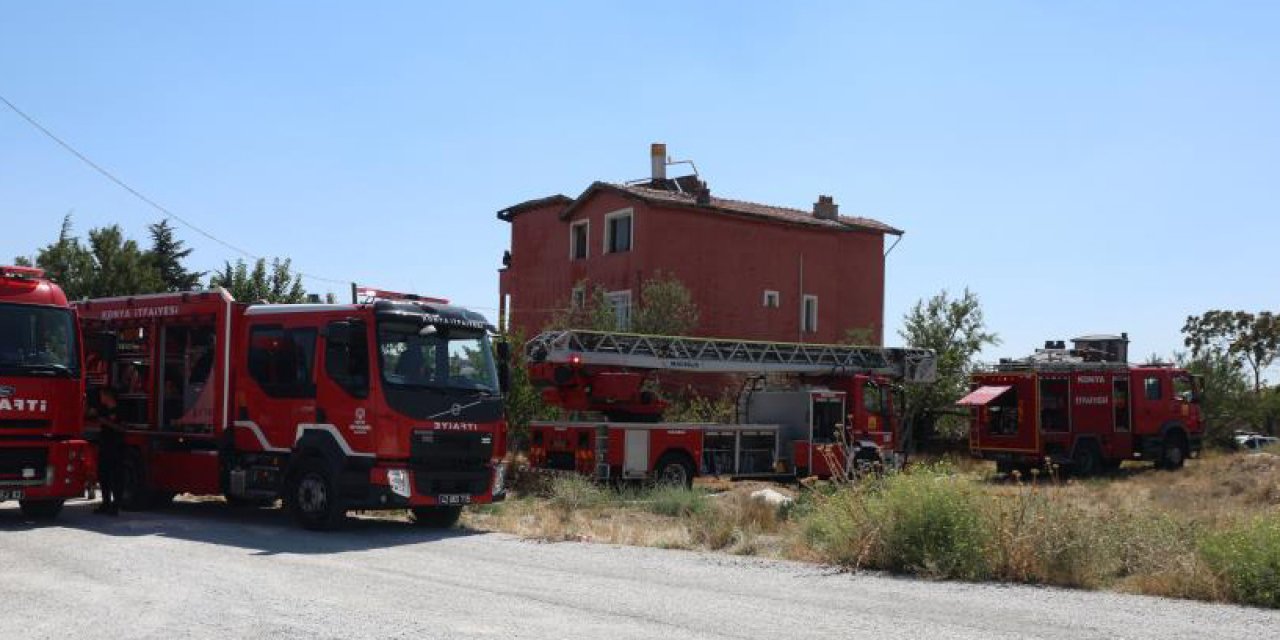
(166, 256)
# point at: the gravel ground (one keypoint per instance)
(206, 571)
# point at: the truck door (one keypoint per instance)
(1151, 403)
(342, 392)
(279, 392)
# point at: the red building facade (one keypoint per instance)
(755, 271)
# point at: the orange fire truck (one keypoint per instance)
(1085, 408)
(44, 458)
(806, 408)
(381, 405)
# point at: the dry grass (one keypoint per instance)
(1209, 532)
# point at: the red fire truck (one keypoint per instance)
(381, 405)
(44, 458)
(806, 408)
(1085, 408)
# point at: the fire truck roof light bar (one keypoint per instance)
(715, 355)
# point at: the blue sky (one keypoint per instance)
(1084, 167)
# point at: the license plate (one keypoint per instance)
(451, 499)
(10, 494)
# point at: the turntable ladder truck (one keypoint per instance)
(840, 404)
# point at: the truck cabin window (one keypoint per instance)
(873, 398)
(1183, 389)
(428, 356)
(37, 341)
(346, 357)
(1002, 414)
(282, 361)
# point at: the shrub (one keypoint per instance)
(1248, 559)
(676, 502)
(573, 492)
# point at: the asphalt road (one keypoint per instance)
(205, 571)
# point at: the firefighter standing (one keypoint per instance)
(110, 456)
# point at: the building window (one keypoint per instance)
(772, 299)
(578, 298)
(809, 314)
(620, 302)
(617, 231)
(578, 232)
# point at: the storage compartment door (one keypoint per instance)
(635, 461)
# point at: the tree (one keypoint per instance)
(122, 269)
(1253, 339)
(277, 284)
(666, 307)
(523, 400)
(1227, 402)
(68, 263)
(955, 330)
(166, 256)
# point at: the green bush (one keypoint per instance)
(676, 502)
(1248, 559)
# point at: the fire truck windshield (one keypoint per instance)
(434, 357)
(37, 341)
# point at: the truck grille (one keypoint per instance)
(14, 462)
(42, 425)
(450, 461)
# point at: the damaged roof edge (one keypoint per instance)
(511, 211)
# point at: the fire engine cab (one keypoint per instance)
(44, 458)
(804, 408)
(1085, 408)
(381, 405)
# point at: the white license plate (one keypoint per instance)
(11, 494)
(451, 499)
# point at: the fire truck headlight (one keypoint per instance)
(499, 479)
(399, 479)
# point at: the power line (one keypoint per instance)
(139, 195)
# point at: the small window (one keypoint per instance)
(772, 299)
(1152, 386)
(578, 298)
(346, 357)
(809, 314)
(620, 302)
(617, 231)
(578, 232)
(282, 361)
(872, 398)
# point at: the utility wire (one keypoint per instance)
(139, 195)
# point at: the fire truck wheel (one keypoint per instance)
(311, 496)
(674, 469)
(40, 509)
(1175, 452)
(1087, 460)
(436, 517)
(162, 499)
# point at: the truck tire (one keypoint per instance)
(134, 493)
(674, 469)
(1087, 460)
(311, 496)
(436, 517)
(1173, 455)
(40, 509)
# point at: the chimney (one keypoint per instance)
(658, 161)
(826, 208)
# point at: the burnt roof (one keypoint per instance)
(558, 199)
(675, 198)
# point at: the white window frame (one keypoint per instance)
(578, 298)
(608, 229)
(586, 241)
(613, 297)
(772, 299)
(804, 315)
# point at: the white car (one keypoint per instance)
(1255, 441)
